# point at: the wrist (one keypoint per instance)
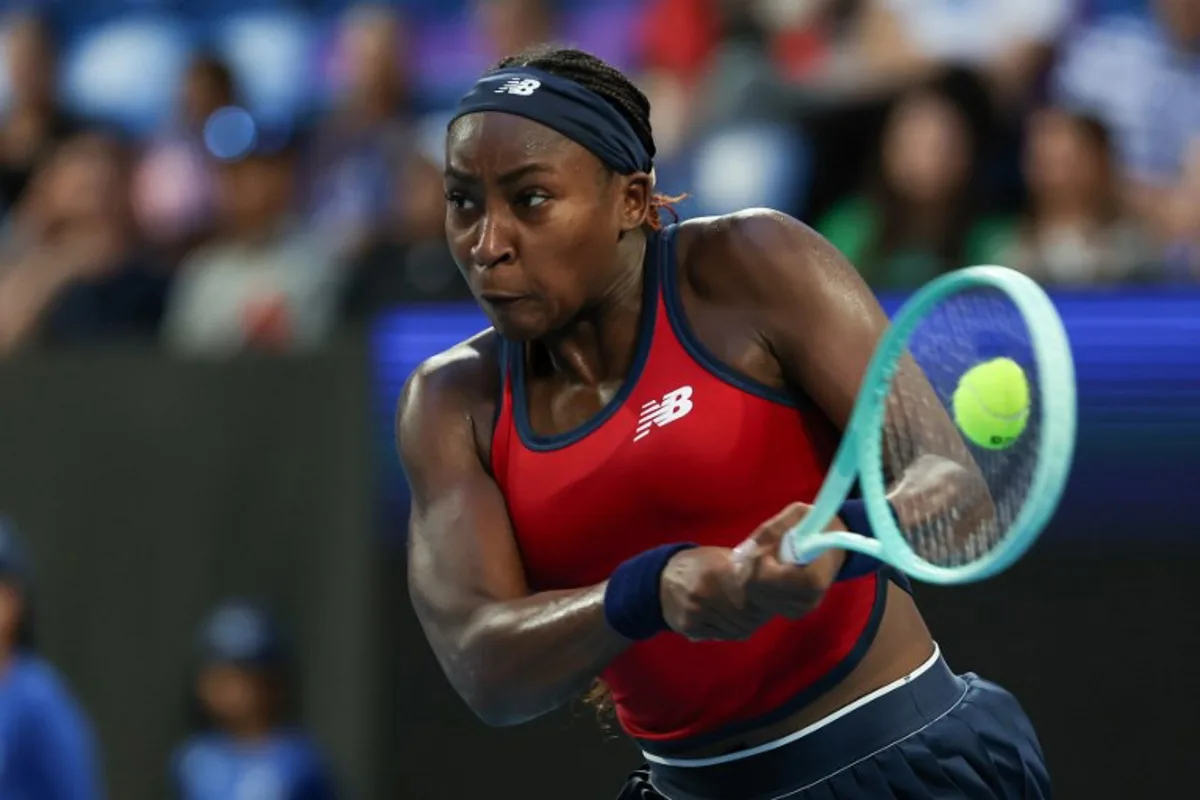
(633, 598)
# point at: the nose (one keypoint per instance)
(494, 245)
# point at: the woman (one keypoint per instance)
(921, 217)
(647, 399)
(1073, 231)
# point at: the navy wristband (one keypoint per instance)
(632, 601)
(856, 565)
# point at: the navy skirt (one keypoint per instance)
(937, 736)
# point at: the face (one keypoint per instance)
(514, 25)
(1061, 160)
(233, 696)
(375, 46)
(254, 193)
(1182, 17)
(927, 153)
(203, 93)
(534, 221)
(10, 613)
(30, 61)
(86, 176)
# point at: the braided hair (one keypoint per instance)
(610, 83)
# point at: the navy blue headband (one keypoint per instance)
(562, 105)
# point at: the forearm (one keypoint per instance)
(517, 660)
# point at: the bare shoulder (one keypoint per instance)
(758, 255)
(452, 393)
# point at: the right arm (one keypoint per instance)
(510, 654)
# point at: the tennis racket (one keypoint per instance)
(902, 424)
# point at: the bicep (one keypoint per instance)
(462, 553)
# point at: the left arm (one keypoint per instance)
(822, 324)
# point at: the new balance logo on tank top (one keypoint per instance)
(674, 405)
(688, 450)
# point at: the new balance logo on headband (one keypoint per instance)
(520, 86)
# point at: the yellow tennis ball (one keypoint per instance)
(991, 403)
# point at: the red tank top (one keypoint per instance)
(688, 450)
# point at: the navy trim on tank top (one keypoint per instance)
(651, 265)
(696, 348)
(501, 357)
(806, 696)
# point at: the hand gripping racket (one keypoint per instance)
(902, 430)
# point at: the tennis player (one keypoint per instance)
(647, 399)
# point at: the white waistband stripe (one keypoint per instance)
(800, 734)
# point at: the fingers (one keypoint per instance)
(703, 598)
(723, 612)
(771, 532)
(791, 590)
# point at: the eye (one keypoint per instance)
(533, 198)
(459, 200)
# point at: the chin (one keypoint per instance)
(518, 327)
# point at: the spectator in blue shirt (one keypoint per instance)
(248, 751)
(46, 747)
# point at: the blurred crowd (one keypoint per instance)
(286, 183)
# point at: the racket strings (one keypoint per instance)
(960, 499)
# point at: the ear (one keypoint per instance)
(636, 192)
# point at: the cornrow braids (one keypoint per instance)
(595, 75)
(610, 83)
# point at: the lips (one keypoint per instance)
(501, 298)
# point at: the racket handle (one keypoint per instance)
(801, 557)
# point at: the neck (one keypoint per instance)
(928, 219)
(1067, 211)
(599, 345)
(251, 730)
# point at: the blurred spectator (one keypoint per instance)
(48, 748)
(511, 26)
(412, 263)
(174, 186)
(70, 270)
(681, 36)
(922, 217)
(1074, 230)
(247, 748)
(360, 151)
(33, 123)
(1141, 75)
(267, 282)
(1009, 42)
(711, 70)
